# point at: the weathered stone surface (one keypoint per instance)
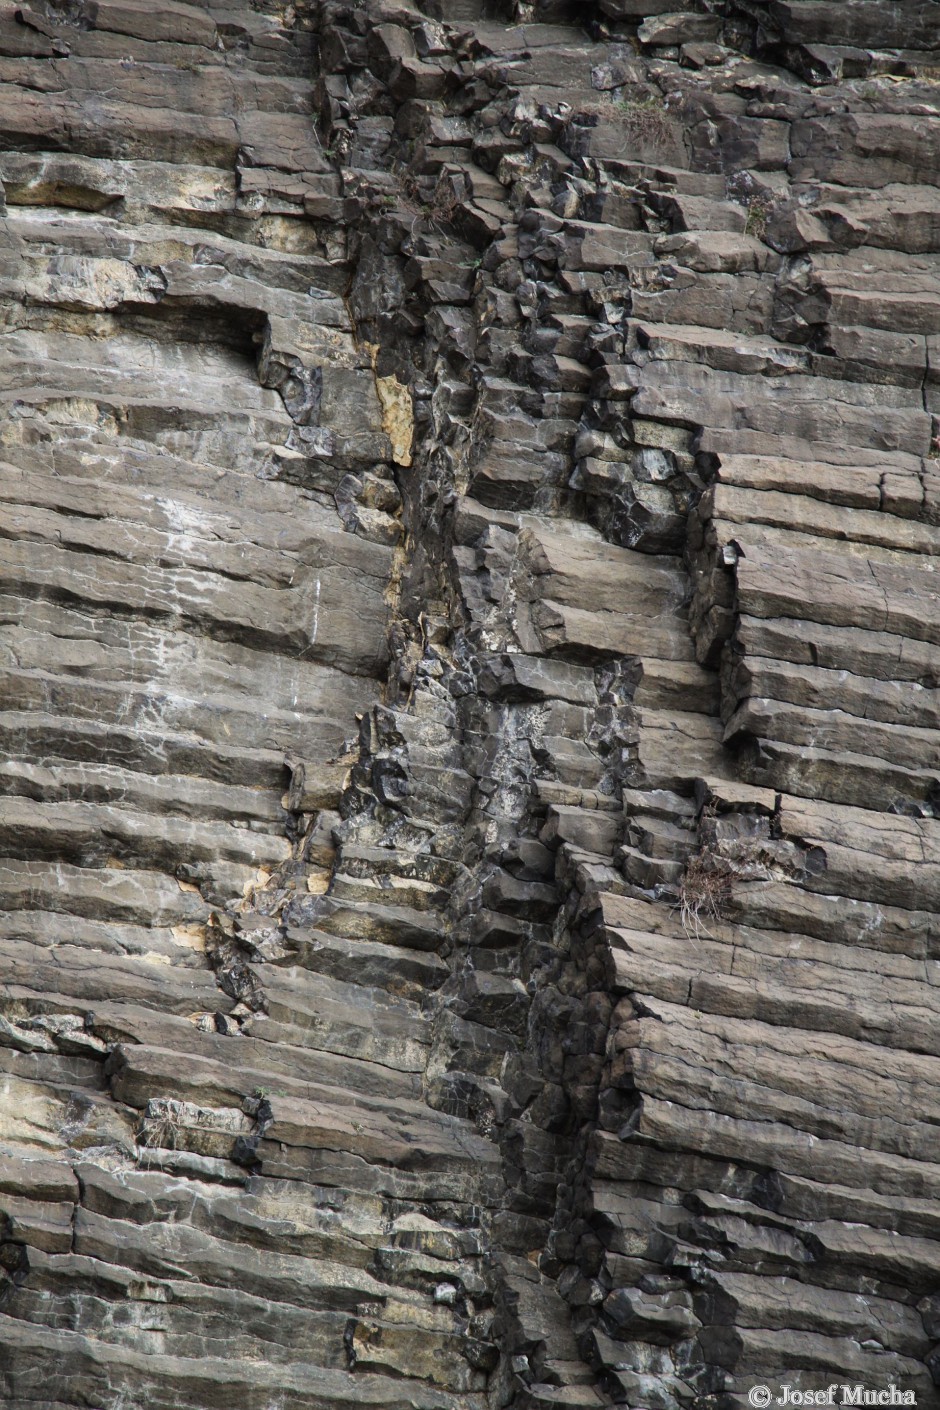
(471, 892)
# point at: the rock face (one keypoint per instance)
(471, 660)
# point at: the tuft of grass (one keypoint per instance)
(646, 118)
(707, 887)
(704, 894)
(161, 1125)
(439, 207)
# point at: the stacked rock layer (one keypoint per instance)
(471, 658)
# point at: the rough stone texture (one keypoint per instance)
(471, 660)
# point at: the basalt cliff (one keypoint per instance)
(470, 638)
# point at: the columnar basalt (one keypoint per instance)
(471, 659)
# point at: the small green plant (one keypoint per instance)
(263, 1094)
(759, 211)
(329, 150)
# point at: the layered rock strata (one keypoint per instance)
(471, 665)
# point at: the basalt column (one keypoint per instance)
(471, 703)
(215, 1188)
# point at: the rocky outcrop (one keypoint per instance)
(471, 660)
